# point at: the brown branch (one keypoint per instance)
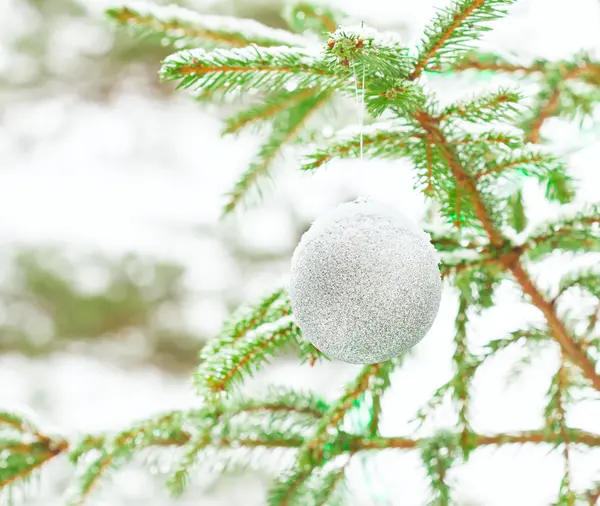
(509, 164)
(429, 189)
(547, 110)
(328, 23)
(534, 437)
(281, 407)
(131, 17)
(270, 111)
(511, 261)
(431, 126)
(557, 327)
(458, 20)
(238, 193)
(221, 383)
(473, 63)
(198, 68)
(52, 449)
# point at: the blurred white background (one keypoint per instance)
(99, 159)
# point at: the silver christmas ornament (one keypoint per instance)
(365, 284)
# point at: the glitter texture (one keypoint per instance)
(365, 284)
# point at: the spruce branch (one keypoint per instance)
(550, 100)
(318, 18)
(497, 106)
(24, 449)
(381, 63)
(555, 415)
(578, 233)
(247, 318)
(380, 140)
(330, 489)
(185, 28)
(453, 28)
(587, 279)
(527, 163)
(266, 110)
(512, 262)
(517, 218)
(463, 363)
(111, 452)
(285, 490)
(438, 454)
(222, 371)
(170, 430)
(247, 68)
(325, 441)
(284, 130)
(462, 180)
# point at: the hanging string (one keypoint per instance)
(360, 101)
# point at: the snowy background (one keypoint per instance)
(99, 161)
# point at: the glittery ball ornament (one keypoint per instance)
(365, 284)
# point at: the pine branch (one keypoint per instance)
(185, 28)
(438, 454)
(453, 29)
(325, 440)
(24, 449)
(587, 279)
(571, 347)
(23, 460)
(489, 62)
(380, 63)
(287, 487)
(578, 233)
(240, 420)
(517, 218)
(497, 106)
(462, 179)
(246, 319)
(381, 383)
(167, 430)
(546, 109)
(463, 362)
(380, 140)
(318, 18)
(512, 262)
(525, 162)
(330, 489)
(486, 139)
(247, 68)
(266, 109)
(112, 452)
(555, 415)
(284, 131)
(222, 371)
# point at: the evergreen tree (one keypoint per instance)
(470, 158)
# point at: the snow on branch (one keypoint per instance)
(187, 28)
(247, 68)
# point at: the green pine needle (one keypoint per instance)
(185, 28)
(248, 68)
(454, 29)
(318, 18)
(284, 131)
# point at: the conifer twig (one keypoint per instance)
(511, 262)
